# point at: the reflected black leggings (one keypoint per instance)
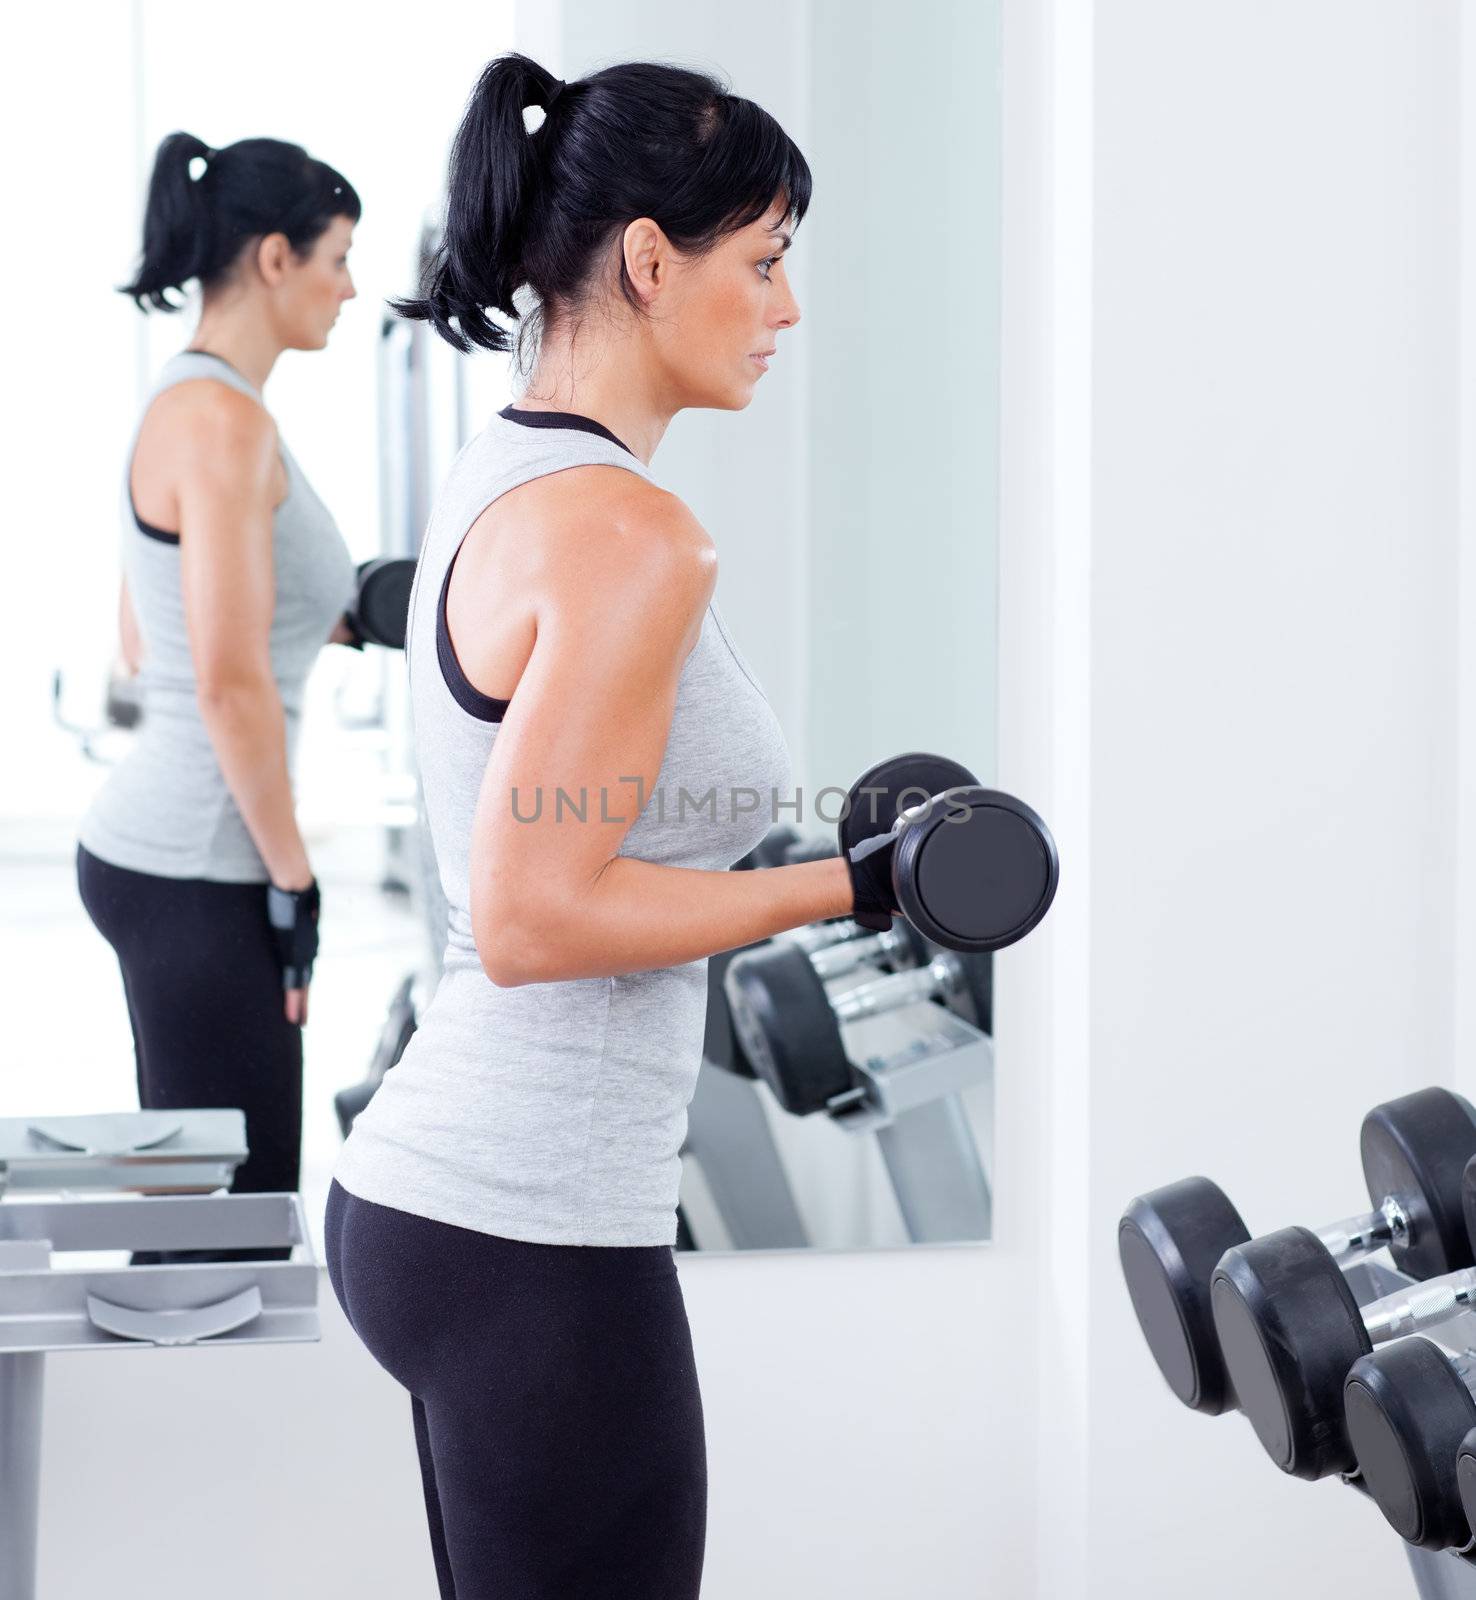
(204, 993)
(554, 1397)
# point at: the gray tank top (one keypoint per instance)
(555, 1112)
(166, 808)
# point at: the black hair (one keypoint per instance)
(198, 219)
(639, 139)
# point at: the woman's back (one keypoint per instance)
(166, 809)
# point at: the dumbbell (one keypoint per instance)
(1409, 1410)
(381, 605)
(1172, 1240)
(835, 947)
(1466, 1474)
(1288, 1324)
(123, 701)
(788, 1024)
(973, 869)
(1409, 1413)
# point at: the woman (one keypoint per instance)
(501, 1224)
(190, 861)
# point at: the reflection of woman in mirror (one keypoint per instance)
(234, 577)
(501, 1224)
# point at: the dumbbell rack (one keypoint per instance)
(148, 1177)
(1449, 1575)
(912, 1067)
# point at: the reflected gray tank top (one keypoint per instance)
(555, 1112)
(166, 808)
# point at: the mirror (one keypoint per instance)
(853, 505)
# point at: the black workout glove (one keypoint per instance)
(870, 867)
(293, 915)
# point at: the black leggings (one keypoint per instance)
(204, 993)
(554, 1397)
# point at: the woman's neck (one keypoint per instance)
(247, 346)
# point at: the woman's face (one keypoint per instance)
(725, 310)
(311, 289)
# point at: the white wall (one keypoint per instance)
(1275, 278)
(1465, 883)
(69, 359)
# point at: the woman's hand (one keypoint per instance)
(293, 916)
(295, 1004)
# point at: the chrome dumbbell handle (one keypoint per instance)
(1355, 1237)
(943, 976)
(819, 935)
(1422, 1305)
(839, 958)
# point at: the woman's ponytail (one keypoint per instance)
(495, 167)
(205, 206)
(176, 223)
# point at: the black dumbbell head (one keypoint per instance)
(348, 1103)
(1169, 1242)
(895, 785)
(1289, 1330)
(978, 977)
(1407, 1411)
(1415, 1150)
(786, 1026)
(1468, 1201)
(720, 1044)
(979, 872)
(382, 606)
(918, 952)
(1466, 1477)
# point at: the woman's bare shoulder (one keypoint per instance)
(598, 519)
(210, 408)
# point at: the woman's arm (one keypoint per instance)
(226, 494)
(551, 899)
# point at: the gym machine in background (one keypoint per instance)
(126, 1240)
(1317, 1334)
(422, 422)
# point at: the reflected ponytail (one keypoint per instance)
(204, 205)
